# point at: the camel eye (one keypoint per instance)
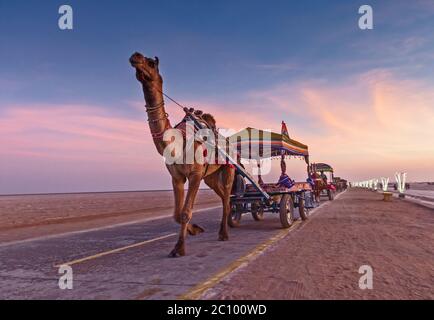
(151, 64)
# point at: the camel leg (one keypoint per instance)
(178, 190)
(228, 175)
(186, 214)
(317, 192)
(221, 182)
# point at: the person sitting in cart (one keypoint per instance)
(311, 181)
(323, 176)
(285, 180)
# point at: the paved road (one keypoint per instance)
(141, 270)
(322, 258)
(429, 194)
(422, 197)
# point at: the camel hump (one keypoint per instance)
(210, 120)
(206, 119)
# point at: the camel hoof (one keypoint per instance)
(175, 253)
(223, 237)
(194, 229)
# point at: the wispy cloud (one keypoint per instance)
(278, 67)
(374, 124)
(72, 128)
(52, 148)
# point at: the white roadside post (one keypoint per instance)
(400, 181)
(385, 184)
(387, 196)
(375, 181)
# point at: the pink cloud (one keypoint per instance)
(74, 128)
(373, 125)
(40, 140)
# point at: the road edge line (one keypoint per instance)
(113, 251)
(122, 224)
(200, 289)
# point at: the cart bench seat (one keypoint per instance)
(275, 188)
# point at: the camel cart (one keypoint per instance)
(258, 197)
(341, 184)
(318, 171)
(291, 200)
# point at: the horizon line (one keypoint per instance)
(119, 191)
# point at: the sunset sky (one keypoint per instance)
(72, 116)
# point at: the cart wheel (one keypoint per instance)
(286, 211)
(330, 194)
(239, 186)
(257, 211)
(234, 216)
(302, 209)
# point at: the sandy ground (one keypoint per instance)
(321, 260)
(23, 217)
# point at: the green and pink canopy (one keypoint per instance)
(318, 167)
(256, 144)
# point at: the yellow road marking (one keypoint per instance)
(200, 289)
(102, 254)
(197, 291)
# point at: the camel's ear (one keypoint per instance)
(157, 61)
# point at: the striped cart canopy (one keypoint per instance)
(317, 167)
(256, 144)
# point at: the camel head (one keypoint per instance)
(146, 68)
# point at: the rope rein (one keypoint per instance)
(157, 107)
(149, 109)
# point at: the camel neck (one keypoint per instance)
(157, 116)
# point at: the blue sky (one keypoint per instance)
(224, 54)
(230, 46)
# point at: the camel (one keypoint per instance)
(320, 185)
(219, 177)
